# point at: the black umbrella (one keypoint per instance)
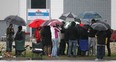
(99, 26)
(107, 25)
(68, 16)
(13, 19)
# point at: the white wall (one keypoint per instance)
(113, 14)
(102, 7)
(8, 7)
(56, 8)
(23, 10)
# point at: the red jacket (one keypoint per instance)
(37, 35)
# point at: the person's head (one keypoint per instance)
(73, 23)
(11, 25)
(93, 21)
(78, 20)
(19, 28)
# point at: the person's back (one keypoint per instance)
(19, 41)
(101, 37)
(72, 41)
(83, 33)
(72, 32)
(46, 39)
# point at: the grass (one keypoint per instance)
(28, 56)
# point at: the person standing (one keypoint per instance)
(72, 35)
(55, 40)
(92, 40)
(19, 41)
(101, 38)
(45, 34)
(83, 40)
(37, 34)
(10, 37)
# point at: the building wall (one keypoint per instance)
(113, 14)
(102, 7)
(56, 7)
(8, 7)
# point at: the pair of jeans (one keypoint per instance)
(92, 41)
(100, 52)
(72, 47)
(54, 47)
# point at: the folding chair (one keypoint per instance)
(37, 49)
(20, 47)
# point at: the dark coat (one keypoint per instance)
(46, 35)
(20, 35)
(101, 37)
(72, 33)
(109, 32)
(82, 32)
(10, 33)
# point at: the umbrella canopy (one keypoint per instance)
(89, 15)
(68, 16)
(49, 22)
(107, 25)
(36, 23)
(14, 19)
(99, 26)
(55, 23)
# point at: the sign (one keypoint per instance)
(38, 13)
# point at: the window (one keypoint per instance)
(38, 4)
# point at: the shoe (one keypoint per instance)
(49, 55)
(96, 59)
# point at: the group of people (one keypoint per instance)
(49, 37)
(20, 36)
(55, 38)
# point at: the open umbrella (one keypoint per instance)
(49, 22)
(55, 23)
(99, 26)
(14, 19)
(89, 15)
(68, 16)
(36, 23)
(107, 25)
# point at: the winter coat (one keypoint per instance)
(101, 37)
(82, 32)
(20, 35)
(72, 33)
(37, 35)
